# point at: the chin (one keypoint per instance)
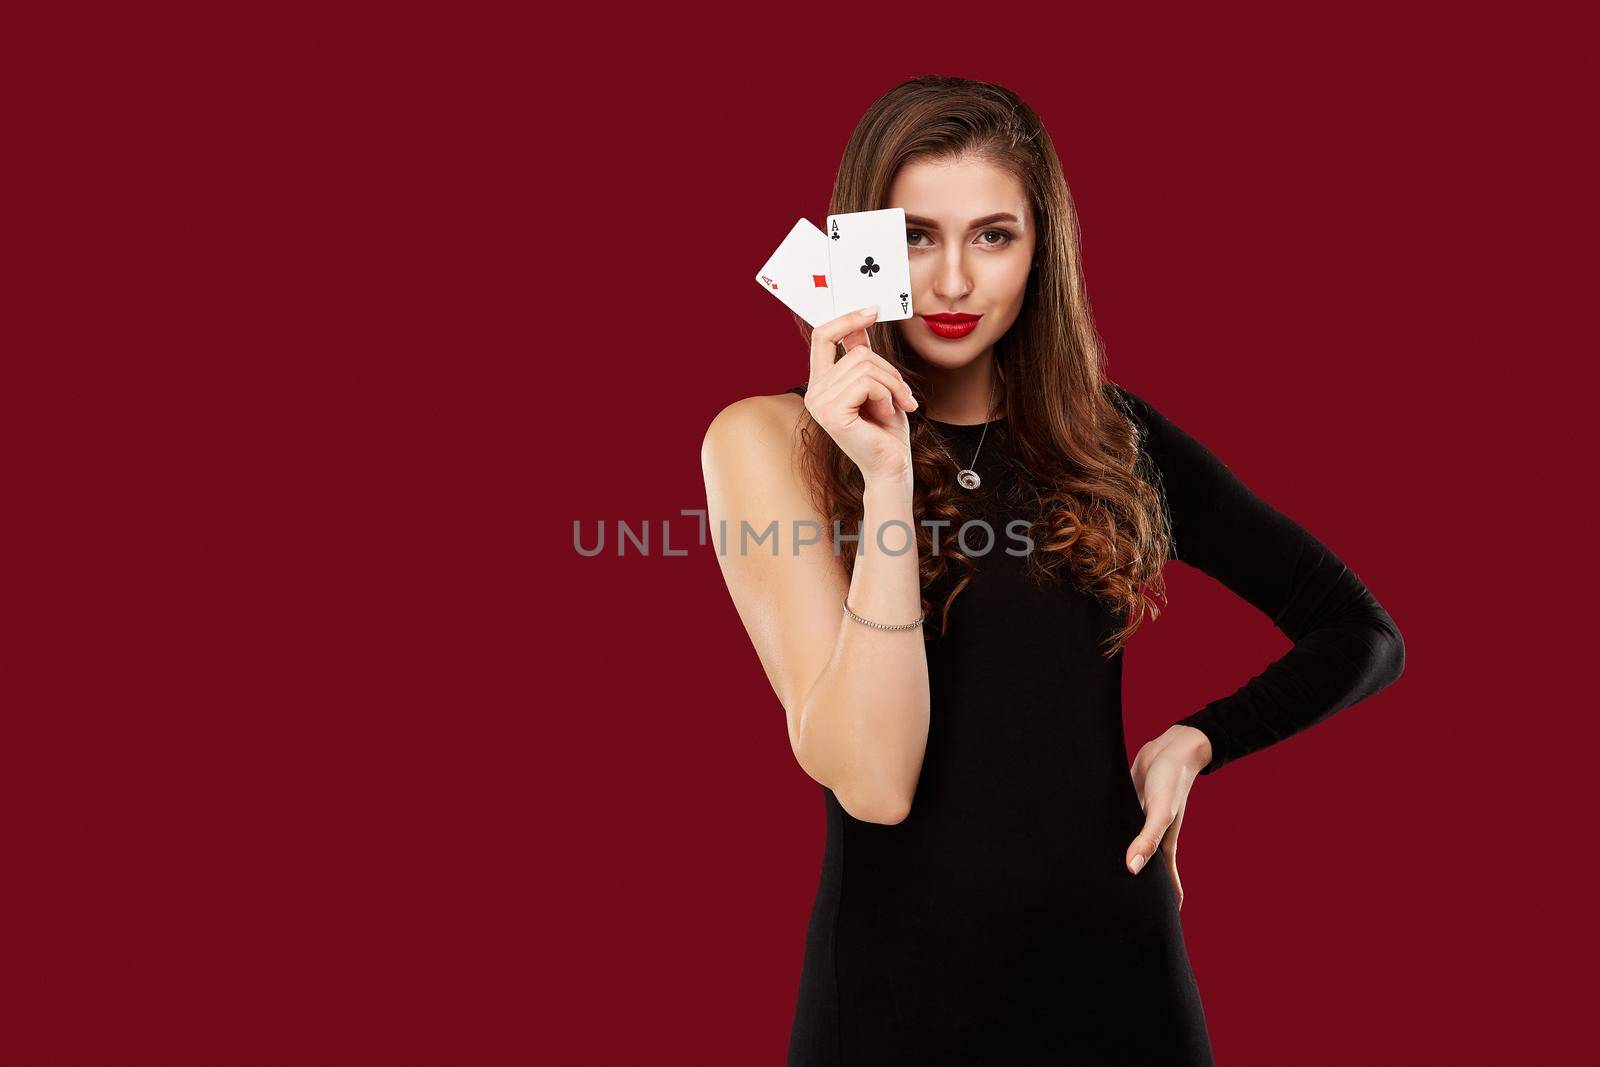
(947, 355)
(948, 360)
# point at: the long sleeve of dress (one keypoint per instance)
(1346, 647)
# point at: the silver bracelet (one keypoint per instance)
(882, 625)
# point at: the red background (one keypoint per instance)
(328, 747)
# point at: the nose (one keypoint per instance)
(951, 282)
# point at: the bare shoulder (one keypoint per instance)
(755, 419)
(753, 437)
(753, 469)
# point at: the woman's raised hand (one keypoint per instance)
(861, 400)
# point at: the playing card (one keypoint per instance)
(797, 274)
(868, 263)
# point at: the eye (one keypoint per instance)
(1005, 238)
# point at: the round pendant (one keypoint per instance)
(969, 479)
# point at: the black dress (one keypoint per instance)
(998, 924)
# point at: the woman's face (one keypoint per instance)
(970, 238)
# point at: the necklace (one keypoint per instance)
(966, 476)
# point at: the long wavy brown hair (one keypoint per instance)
(1100, 519)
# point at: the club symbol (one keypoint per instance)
(870, 268)
(904, 297)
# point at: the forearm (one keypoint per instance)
(864, 724)
(1340, 662)
(1345, 648)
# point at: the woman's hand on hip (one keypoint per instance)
(1162, 772)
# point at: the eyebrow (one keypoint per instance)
(1001, 216)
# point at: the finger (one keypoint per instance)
(1169, 849)
(861, 338)
(1169, 840)
(863, 392)
(825, 338)
(864, 355)
(864, 385)
(839, 380)
(881, 404)
(1158, 816)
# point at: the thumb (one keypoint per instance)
(1157, 817)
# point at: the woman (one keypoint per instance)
(996, 886)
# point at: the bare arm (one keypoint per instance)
(855, 697)
(865, 720)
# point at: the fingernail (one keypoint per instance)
(868, 313)
(1138, 862)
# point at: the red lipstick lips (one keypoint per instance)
(951, 325)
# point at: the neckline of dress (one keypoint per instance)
(964, 425)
